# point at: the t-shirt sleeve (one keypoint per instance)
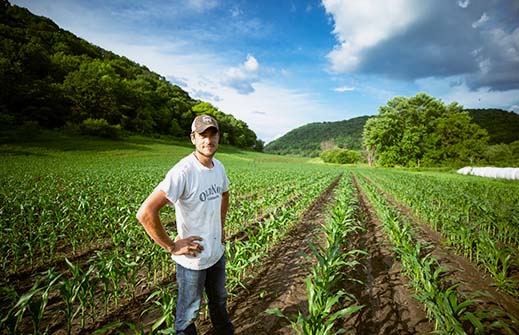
(173, 185)
(225, 186)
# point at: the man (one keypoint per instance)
(199, 189)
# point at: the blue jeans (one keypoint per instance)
(191, 284)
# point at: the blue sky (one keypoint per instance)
(278, 65)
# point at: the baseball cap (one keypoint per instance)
(202, 122)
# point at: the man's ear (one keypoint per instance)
(193, 138)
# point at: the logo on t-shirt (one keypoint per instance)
(211, 193)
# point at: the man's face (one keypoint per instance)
(206, 143)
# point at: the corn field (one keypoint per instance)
(76, 261)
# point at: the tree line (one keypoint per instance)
(424, 131)
(51, 77)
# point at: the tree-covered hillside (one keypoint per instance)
(51, 77)
(311, 139)
(502, 126)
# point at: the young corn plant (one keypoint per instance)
(452, 312)
(135, 330)
(76, 293)
(33, 301)
(166, 299)
(322, 312)
(324, 299)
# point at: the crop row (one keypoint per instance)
(334, 261)
(266, 233)
(69, 212)
(451, 311)
(479, 220)
(277, 190)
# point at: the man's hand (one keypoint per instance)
(187, 246)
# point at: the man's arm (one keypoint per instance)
(223, 212)
(148, 216)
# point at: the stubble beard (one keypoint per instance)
(206, 155)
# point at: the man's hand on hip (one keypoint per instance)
(187, 246)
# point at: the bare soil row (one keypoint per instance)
(279, 283)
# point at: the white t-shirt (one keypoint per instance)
(196, 191)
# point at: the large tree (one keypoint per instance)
(422, 130)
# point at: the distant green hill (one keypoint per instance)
(502, 126)
(310, 139)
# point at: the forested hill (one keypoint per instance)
(50, 78)
(502, 126)
(310, 139)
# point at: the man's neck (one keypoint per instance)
(204, 160)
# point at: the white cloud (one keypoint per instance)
(242, 77)
(463, 3)
(344, 89)
(485, 65)
(363, 24)
(282, 109)
(251, 64)
(507, 43)
(515, 109)
(498, 60)
(177, 81)
(484, 18)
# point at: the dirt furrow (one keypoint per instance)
(389, 306)
(280, 282)
(461, 270)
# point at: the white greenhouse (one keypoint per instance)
(491, 172)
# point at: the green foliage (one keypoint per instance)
(503, 154)
(340, 156)
(476, 217)
(101, 128)
(502, 126)
(50, 76)
(259, 145)
(422, 130)
(308, 139)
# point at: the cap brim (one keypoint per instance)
(204, 128)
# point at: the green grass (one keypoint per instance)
(54, 146)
